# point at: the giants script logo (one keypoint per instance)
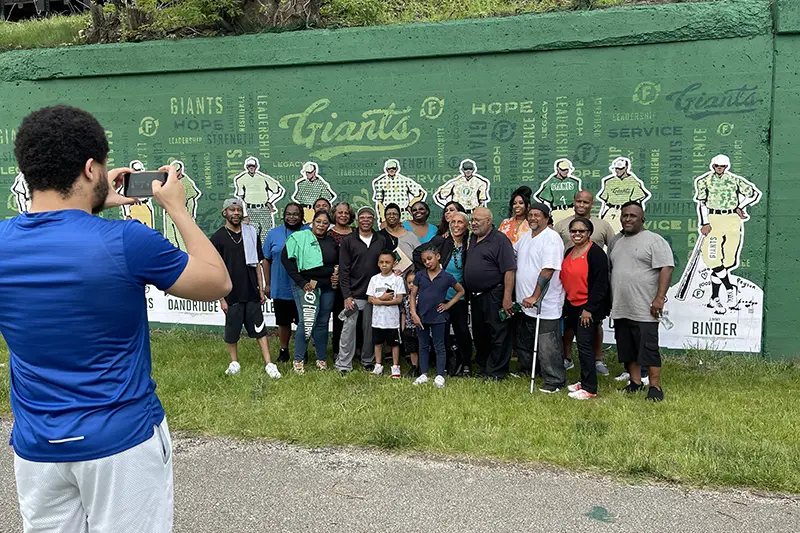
(696, 104)
(380, 130)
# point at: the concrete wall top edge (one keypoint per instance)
(553, 31)
(787, 15)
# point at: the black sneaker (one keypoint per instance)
(655, 395)
(549, 389)
(633, 387)
(283, 356)
(466, 371)
(369, 368)
(413, 372)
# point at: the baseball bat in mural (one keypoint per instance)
(691, 268)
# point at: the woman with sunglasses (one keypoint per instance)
(584, 275)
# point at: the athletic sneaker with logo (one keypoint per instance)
(77, 331)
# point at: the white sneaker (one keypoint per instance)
(717, 306)
(272, 371)
(439, 382)
(233, 368)
(378, 370)
(645, 381)
(623, 377)
(421, 380)
(574, 387)
(601, 368)
(582, 395)
(396, 372)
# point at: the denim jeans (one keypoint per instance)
(436, 331)
(319, 333)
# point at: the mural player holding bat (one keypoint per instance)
(722, 198)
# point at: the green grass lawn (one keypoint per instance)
(42, 33)
(725, 421)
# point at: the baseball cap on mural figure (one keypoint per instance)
(391, 163)
(309, 167)
(563, 164)
(251, 162)
(620, 162)
(467, 165)
(720, 161)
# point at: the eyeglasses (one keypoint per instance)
(579, 231)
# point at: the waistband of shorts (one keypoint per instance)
(721, 211)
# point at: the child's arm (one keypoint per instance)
(413, 304)
(459, 293)
(402, 321)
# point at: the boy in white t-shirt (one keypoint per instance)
(385, 293)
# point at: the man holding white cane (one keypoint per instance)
(540, 253)
(92, 446)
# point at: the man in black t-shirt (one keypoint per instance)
(243, 305)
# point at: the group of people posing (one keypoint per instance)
(408, 288)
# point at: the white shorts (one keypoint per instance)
(128, 492)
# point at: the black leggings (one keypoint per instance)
(584, 338)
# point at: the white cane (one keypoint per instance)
(535, 347)
(538, 308)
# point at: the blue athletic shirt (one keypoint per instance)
(280, 287)
(74, 316)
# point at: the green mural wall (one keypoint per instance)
(666, 87)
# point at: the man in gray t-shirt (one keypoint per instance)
(641, 270)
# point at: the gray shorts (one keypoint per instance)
(130, 491)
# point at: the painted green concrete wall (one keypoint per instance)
(667, 87)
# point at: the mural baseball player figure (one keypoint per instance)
(619, 187)
(722, 198)
(192, 196)
(21, 193)
(393, 187)
(142, 210)
(558, 190)
(259, 192)
(309, 188)
(468, 188)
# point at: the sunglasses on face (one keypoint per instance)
(579, 231)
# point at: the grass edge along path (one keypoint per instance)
(726, 421)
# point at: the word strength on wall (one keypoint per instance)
(405, 132)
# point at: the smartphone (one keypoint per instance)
(140, 184)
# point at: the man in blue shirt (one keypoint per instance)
(92, 446)
(277, 280)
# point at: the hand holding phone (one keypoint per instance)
(140, 184)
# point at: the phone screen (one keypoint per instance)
(140, 184)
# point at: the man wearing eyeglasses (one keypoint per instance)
(489, 271)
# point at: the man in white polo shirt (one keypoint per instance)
(540, 252)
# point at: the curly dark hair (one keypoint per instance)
(523, 192)
(53, 145)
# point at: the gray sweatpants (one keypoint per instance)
(347, 342)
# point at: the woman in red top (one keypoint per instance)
(584, 275)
